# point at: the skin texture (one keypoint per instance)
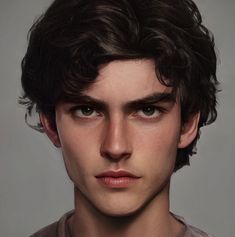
(120, 136)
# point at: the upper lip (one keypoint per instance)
(116, 174)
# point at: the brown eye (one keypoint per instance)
(148, 112)
(85, 112)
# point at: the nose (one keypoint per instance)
(115, 145)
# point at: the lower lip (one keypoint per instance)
(118, 182)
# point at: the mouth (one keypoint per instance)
(117, 179)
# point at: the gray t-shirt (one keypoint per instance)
(61, 229)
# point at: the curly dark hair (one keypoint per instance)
(73, 38)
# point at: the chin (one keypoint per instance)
(121, 209)
(122, 213)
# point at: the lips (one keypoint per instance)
(117, 179)
(117, 174)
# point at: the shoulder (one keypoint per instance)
(193, 231)
(190, 231)
(48, 231)
(56, 229)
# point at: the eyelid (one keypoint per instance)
(138, 112)
(132, 109)
(161, 108)
(77, 107)
(80, 106)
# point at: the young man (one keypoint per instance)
(122, 88)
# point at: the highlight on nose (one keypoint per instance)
(115, 144)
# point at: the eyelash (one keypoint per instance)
(159, 110)
(80, 107)
(139, 109)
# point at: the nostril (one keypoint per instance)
(115, 149)
(115, 156)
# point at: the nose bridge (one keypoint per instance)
(115, 142)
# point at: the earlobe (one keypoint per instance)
(189, 131)
(49, 130)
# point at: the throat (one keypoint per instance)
(137, 224)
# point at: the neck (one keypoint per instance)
(152, 220)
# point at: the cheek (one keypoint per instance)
(158, 144)
(76, 141)
(78, 153)
(158, 136)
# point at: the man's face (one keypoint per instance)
(126, 121)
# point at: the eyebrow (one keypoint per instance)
(154, 98)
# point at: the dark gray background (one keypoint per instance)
(34, 188)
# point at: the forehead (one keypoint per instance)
(124, 80)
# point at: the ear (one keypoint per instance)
(189, 131)
(50, 130)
